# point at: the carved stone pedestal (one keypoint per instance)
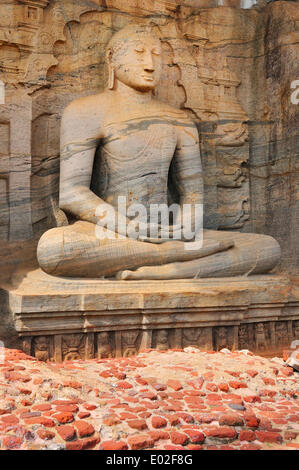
(67, 319)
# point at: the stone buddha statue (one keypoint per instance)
(123, 144)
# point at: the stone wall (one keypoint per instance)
(230, 68)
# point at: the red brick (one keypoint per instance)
(145, 414)
(158, 422)
(84, 429)
(196, 437)
(205, 418)
(47, 422)
(72, 384)
(233, 396)
(67, 433)
(251, 447)
(64, 418)
(253, 373)
(287, 371)
(235, 384)
(26, 402)
(267, 436)
(25, 391)
(221, 432)
(106, 374)
(223, 387)
(268, 381)
(10, 419)
(267, 393)
(233, 373)
(83, 414)
(12, 442)
(174, 384)
(149, 395)
(159, 387)
(252, 399)
(157, 435)
(170, 447)
(119, 375)
(185, 417)
(67, 408)
(208, 375)
(194, 447)
(126, 415)
(124, 385)
(230, 419)
(290, 435)
(293, 444)
(140, 442)
(45, 434)
(173, 420)
(42, 407)
(141, 381)
(113, 445)
(251, 420)
(83, 444)
(17, 377)
(137, 424)
(213, 397)
(178, 438)
(64, 402)
(211, 387)
(247, 436)
(89, 406)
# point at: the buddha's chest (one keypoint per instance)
(140, 143)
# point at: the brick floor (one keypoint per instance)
(157, 400)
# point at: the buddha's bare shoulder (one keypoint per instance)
(87, 106)
(175, 113)
(83, 118)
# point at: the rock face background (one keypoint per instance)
(230, 68)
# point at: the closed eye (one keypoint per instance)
(156, 52)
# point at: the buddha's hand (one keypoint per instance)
(155, 233)
(144, 231)
(163, 233)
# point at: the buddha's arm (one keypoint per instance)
(187, 167)
(78, 147)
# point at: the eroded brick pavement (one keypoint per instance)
(176, 399)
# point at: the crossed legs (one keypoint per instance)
(74, 251)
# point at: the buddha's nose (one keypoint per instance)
(149, 63)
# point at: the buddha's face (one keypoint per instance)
(138, 62)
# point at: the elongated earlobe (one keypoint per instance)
(111, 73)
(111, 79)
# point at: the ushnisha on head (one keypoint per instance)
(134, 58)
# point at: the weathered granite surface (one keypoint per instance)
(53, 52)
(96, 318)
(125, 158)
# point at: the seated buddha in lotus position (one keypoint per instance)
(124, 143)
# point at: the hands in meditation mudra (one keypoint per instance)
(123, 143)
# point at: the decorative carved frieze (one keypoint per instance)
(43, 348)
(105, 345)
(253, 336)
(130, 343)
(162, 340)
(73, 347)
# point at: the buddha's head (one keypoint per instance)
(134, 58)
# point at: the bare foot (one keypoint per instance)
(177, 270)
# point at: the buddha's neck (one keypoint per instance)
(130, 95)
